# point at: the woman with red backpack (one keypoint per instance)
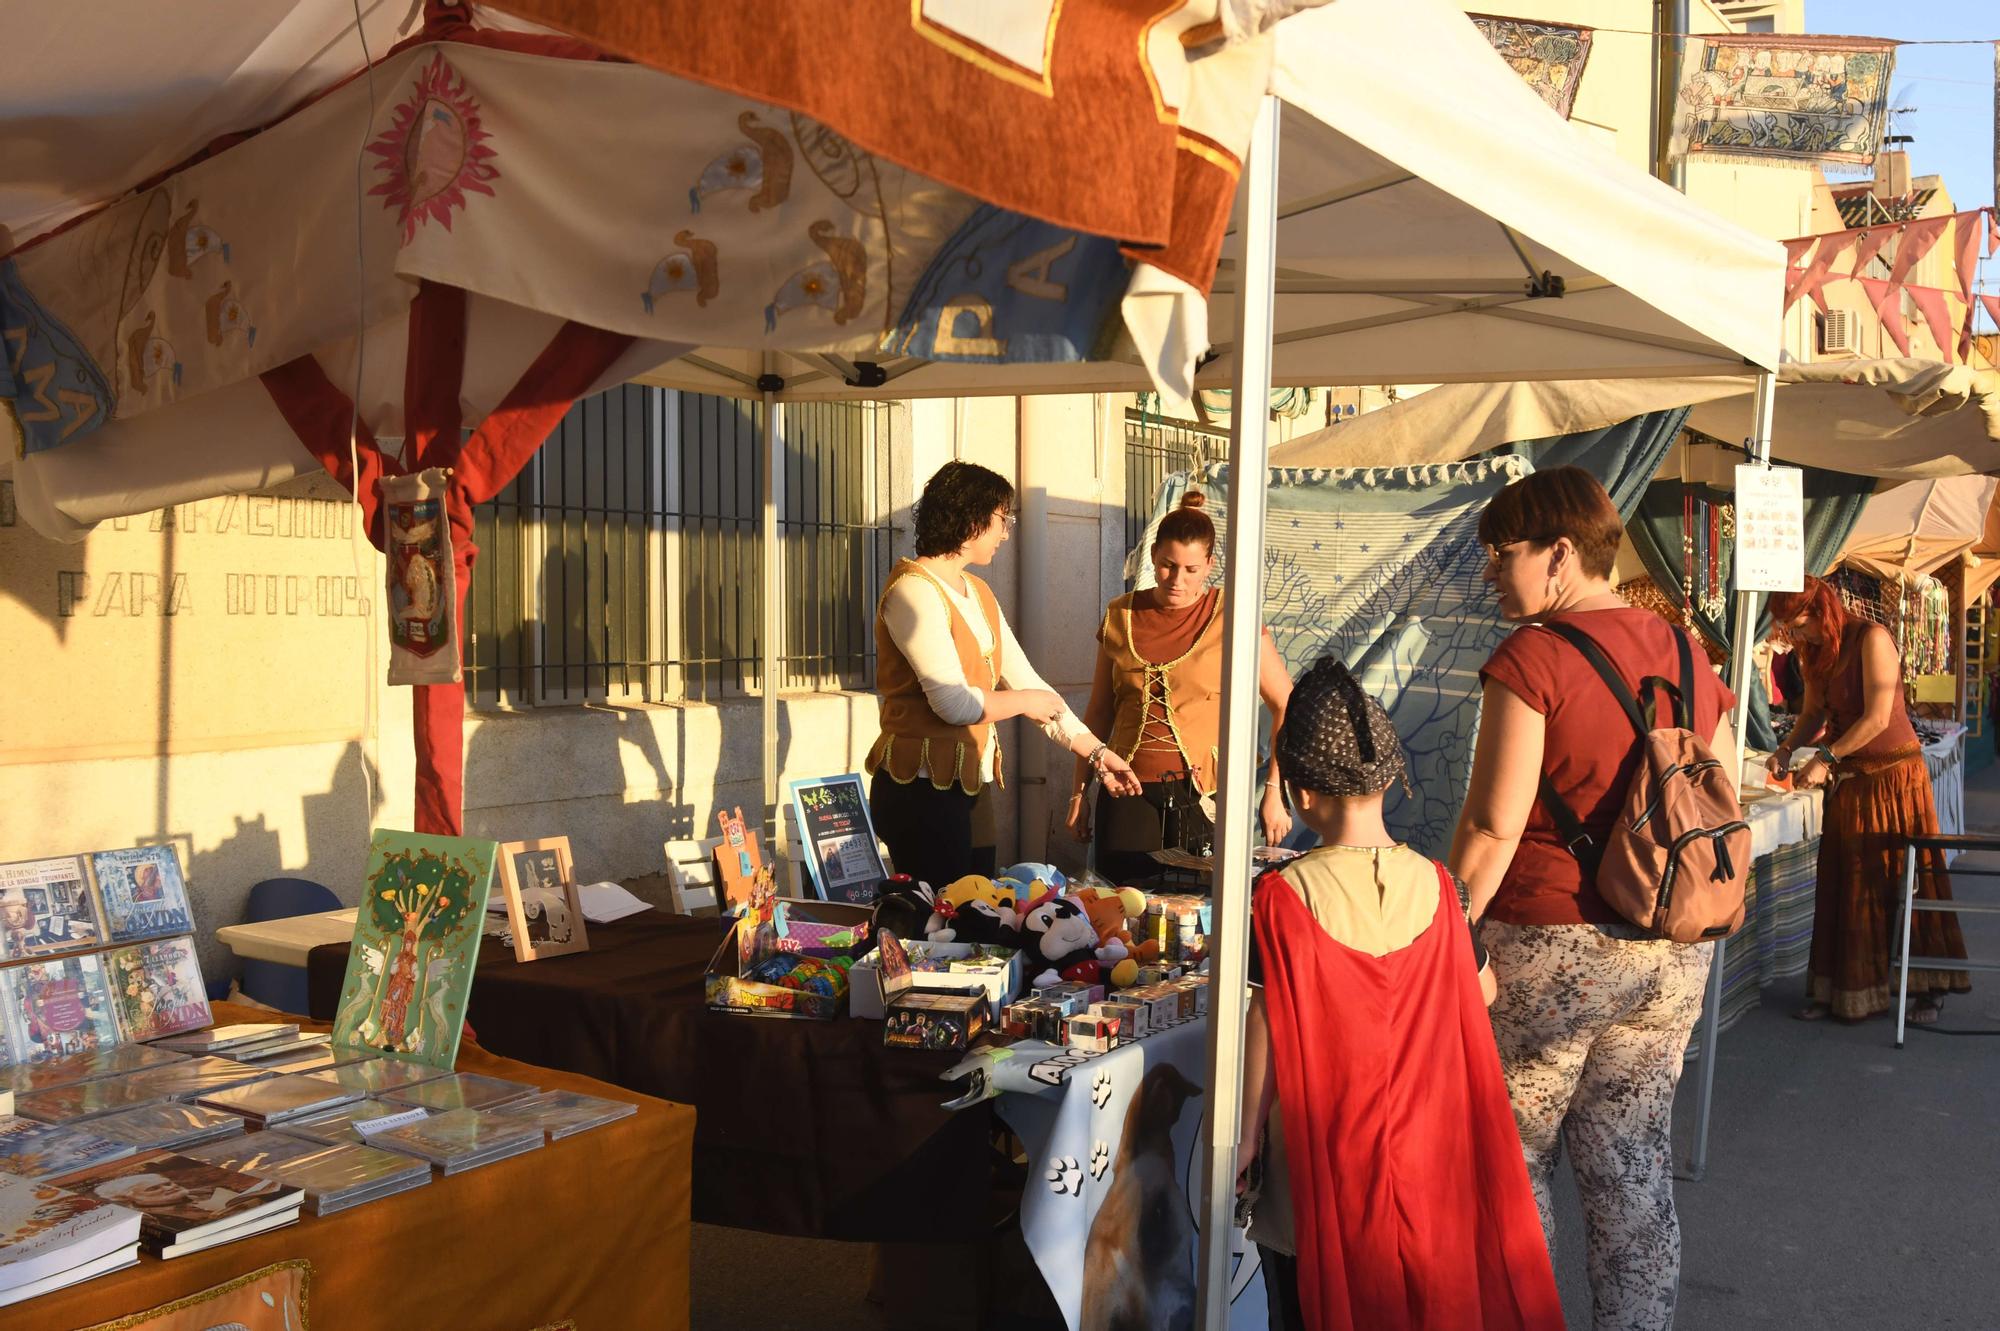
(1593, 1012)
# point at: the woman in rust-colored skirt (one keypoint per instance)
(1878, 789)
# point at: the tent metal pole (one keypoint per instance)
(1249, 447)
(767, 634)
(1763, 401)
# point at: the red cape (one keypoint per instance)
(1410, 1195)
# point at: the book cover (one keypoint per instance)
(143, 891)
(91, 1065)
(416, 940)
(60, 1007)
(157, 989)
(45, 1230)
(543, 907)
(41, 1150)
(179, 1196)
(46, 909)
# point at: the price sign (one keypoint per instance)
(1770, 529)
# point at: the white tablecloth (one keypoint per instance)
(1945, 757)
(1783, 818)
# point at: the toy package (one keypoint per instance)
(934, 1019)
(780, 959)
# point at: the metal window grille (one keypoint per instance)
(1156, 448)
(624, 563)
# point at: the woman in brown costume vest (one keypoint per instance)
(1158, 689)
(947, 668)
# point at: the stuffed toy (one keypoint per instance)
(975, 909)
(1040, 878)
(1065, 941)
(1110, 911)
(904, 907)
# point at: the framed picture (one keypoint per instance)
(837, 838)
(543, 906)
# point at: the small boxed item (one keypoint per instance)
(986, 966)
(1131, 1016)
(751, 974)
(1196, 992)
(1071, 998)
(1093, 1032)
(934, 1019)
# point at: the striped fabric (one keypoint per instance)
(1776, 939)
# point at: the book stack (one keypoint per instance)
(51, 1238)
(337, 1127)
(333, 1177)
(461, 1139)
(167, 1126)
(560, 1114)
(38, 1151)
(275, 1099)
(188, 1205)
(462, 1090)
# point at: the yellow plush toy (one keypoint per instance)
(975, 909)
(1109, 910)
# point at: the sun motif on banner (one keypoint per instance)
(434, 152)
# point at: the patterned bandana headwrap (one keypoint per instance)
(1336, 739)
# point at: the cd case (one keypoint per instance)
(562, 1114)
(335, 1127)
(280, 1097)
(332, 1177)
(90, 1065)
(167, 1125)
(463, 1090)
(34, 1150)
(381, 1076)
(461, 1139)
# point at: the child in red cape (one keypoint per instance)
(1394, 1195)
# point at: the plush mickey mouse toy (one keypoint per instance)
(1065, 939)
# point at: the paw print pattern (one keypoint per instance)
(1065, 1176)
(1100, 1089)
(1100, 1159)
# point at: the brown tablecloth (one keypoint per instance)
(589, 1232)
(804, 1128)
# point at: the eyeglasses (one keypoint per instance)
(1493, 552)
(1011, 519)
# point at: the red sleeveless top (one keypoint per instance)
(1410, 1196)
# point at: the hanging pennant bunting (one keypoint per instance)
(1992, 304)
(1917, 240)
(1970, 228)
(1887, 301)
(423, 618)
(1930, 304)
(1795, 98)
(1548, 56)
(1872, 239)
(1812, 278)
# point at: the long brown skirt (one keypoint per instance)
(1861, 886)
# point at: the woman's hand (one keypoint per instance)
(1078, 821)
(1277, 819)
(1041, 706)
(1815, 774)
(1780, 762)
(1117, 775)
(1246, 1155)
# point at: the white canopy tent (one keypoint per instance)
(1394, 237)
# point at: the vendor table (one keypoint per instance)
(589, 1233)
(1120, 1130)
(1945, 757)
(803, 1128)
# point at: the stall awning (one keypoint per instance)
(1896, 419)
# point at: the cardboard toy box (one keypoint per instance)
(777, 926)
(996, 970)
(934, 1019)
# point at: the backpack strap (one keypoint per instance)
(1594, 654)
(1570, 827)
(1684, 703)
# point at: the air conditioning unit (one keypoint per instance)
(1839, 334)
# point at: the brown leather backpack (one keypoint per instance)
(1676, 859)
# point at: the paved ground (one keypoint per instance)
(1850, 1185)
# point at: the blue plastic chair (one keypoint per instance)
(282, 986)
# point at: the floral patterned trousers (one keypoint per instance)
(1592, 1029)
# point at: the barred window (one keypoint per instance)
(1156, 448)
(624, 563)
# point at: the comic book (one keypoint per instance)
(416, 940)
(143, 891)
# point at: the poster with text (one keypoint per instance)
(838, 838)
(1770, 529)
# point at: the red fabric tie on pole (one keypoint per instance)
(321, 415)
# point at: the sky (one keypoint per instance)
(1951, 88)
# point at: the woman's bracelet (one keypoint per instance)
(1095, 754)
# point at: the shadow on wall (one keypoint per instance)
(30, 572)
(337, 823)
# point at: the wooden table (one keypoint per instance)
(589, 1232)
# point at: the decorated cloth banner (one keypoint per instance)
(1549, 56)
(423, 606)
(1789, 98)
(1383, 568)
(270, 1299)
